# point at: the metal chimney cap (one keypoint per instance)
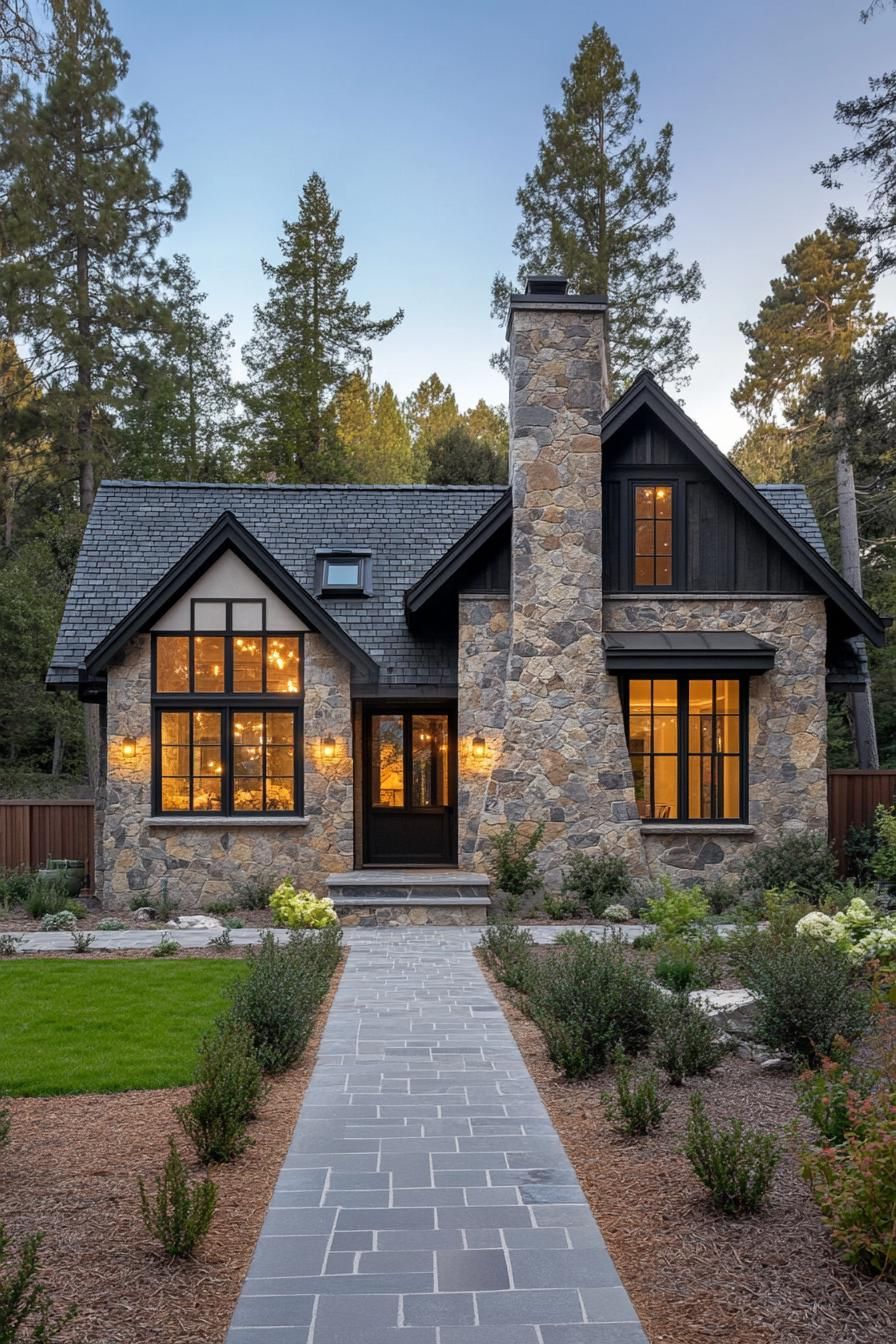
(547, 284)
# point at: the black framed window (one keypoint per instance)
(227, 714)
(687, 745)
(653, 535)
(343, 573)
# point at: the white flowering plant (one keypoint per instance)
(298, 908)
(859, 930)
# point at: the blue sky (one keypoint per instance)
(423, 118)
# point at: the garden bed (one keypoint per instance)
(693, 1275)
(71, 1172)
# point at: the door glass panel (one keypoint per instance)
(430, 760)
(172, 663)
(387, 760)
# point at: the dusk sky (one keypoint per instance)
(423, 119)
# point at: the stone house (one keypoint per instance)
(355, 685)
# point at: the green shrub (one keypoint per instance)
(783, 908)
(636, 1106)
(232, 922)
(81, 942)
(854, 1184)
(513, 866)
(685, 1043)
(9, 944)
(111, 925)
(61, 921)
(678, 914)
(165, 947)
(562, 907)
(5, 1122)
(617, 914)
(278, 999)
(164, 905)
(735, 1164)
(680, 968)
(300, 909)
(883, 861)
(803, 859)
(226, 1096)
(808, 992)
(180, 1212)
(597, 880)
(223, 941)
(25, 1303)
(221, 907)
(256, 893)
(16, 887)
(507, 951)
(46, 898)
(828, 1095)
(720, 895)
(586, 999)
(859, 848)
(77, 908)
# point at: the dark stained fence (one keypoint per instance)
(852, 797)
(33, 831)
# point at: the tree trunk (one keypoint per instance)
(860, 706)
(58, 752)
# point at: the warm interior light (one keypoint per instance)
(328, 747)
(478, 746)
(129, 747)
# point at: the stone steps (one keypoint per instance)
(394, 898)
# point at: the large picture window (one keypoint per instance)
(687, 749)
(227, 698)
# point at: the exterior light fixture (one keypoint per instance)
(328, 748)
(478, 747)
(129, 748)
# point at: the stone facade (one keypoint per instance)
(562, 758)
(483, 641)
(204, 862)
(404, 915)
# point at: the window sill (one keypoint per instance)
(697, 828)
(227, 822)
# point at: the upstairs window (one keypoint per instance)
(686, 741)
(653, 536)
(235, 654)
(343, 573)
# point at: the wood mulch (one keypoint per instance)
(70, 1173)
(17, 920)
(695, 1276)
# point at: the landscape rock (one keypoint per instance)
(733, 1010)
(196, 922)
(145, 914)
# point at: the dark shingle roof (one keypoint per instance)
(792, 503)
(138, 530)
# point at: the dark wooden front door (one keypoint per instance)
(410, 786)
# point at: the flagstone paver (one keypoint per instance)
(426, 1197)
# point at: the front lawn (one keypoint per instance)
(105, 1026)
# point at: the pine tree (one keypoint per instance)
(596, 209)
(23, 446)
(20, 43)
(80, 221)
(373, 432)
(459, 458)
(430, 411)
(308, 337)
(180, 422)
(488, 425)
(807, 327)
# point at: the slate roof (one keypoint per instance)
(792, 502)
(138, 530)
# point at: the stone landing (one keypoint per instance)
(396, 898)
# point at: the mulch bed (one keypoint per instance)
(70, 1172)
(693, 1275)
(17, 920)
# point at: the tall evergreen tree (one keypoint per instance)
(23, 446)
(807, 327)
(81, 217)
(373, 432)
(309, 335)
(596, 209)
(180, 422)
(20, 44)
(488, 426)
(430, 411)
(459, 458)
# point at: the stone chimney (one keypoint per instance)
(563, 758)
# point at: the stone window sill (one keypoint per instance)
(228, 823)
(696, 828)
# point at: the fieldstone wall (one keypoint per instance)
(483, 641)
(205, 862)
(563, 758)
(788, 724)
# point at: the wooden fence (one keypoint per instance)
(33, 831)
(852, 797)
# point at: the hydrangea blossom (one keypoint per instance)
(824, 928)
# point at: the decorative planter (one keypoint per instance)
(70, 872)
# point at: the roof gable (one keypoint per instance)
(646, 392)
(227, 533)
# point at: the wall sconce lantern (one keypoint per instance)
(328, 748)
(129, 748)
(478, 747)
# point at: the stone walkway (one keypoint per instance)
(425, 1197)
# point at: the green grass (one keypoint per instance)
(105, 1026)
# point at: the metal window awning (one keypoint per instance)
(708, 651)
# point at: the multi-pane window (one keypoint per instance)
(685, 741)
(227, 713)
(653, 536)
